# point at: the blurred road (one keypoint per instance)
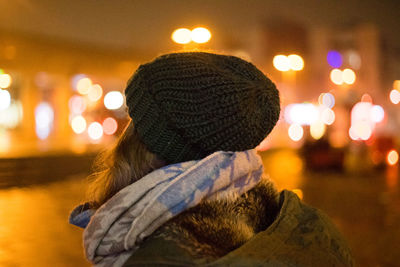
(34, 229)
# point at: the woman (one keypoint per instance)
(184, 185)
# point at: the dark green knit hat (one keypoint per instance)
(186, 106)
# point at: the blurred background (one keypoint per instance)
(64, 66)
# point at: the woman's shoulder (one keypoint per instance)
(262, 227)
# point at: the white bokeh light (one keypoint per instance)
(5, 80)
(182, 36)
(317, 130)
(281, 63)
(95, 131)
(78, 124)
(113, 100)
(44, 117)
(296, 62)
(5, 99)
(303, 114)
(200, 35)
(377, 113)
(394, 96)
(296, 132)
(328, 116)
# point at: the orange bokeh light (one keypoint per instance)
(392, 157)
(110, 126)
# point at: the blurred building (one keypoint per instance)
(45, 101)
(349, 63)
(44, 76)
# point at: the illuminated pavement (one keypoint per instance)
(34, 230)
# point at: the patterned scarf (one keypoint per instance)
(118, 226)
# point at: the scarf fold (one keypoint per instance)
(135, 212)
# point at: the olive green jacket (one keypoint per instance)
(299, 236)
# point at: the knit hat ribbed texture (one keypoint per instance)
(186, 106)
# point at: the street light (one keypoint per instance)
(339, 77)
(296, 62)
(392, 157)
(349, 76)
(181, 36)
(281, 63)
(336, 76)
(198, 35)
(286, 63)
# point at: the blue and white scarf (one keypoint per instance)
(118, 226)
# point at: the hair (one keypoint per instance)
(128, 161)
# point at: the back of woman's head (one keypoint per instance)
(186, 106)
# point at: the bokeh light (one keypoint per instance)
(182, 36)
(366, 98)
(83, 86)
(95, 92)
(328, 116)
(296, 62)
(5, 99)
(43, 80)
(354, 59)
(334, 59)
(12, 116)
(353, 135)
(200, 35)
(110, 126)
(327, 100)
(44, 117)
(78, 124)
(394, 96)
(5, 80)
(295, 132)
(336, 76)
(377, 113)
(113, 100)
(317, 130)
(360, 130)
(95, 131)
(75, 79)
(396, 85)
(349, 76)
(302, 114)
(281, 63)
(361, 111)
(392, 157)
(362, 121)
(77, 104)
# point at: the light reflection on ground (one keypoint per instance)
(34, 229)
